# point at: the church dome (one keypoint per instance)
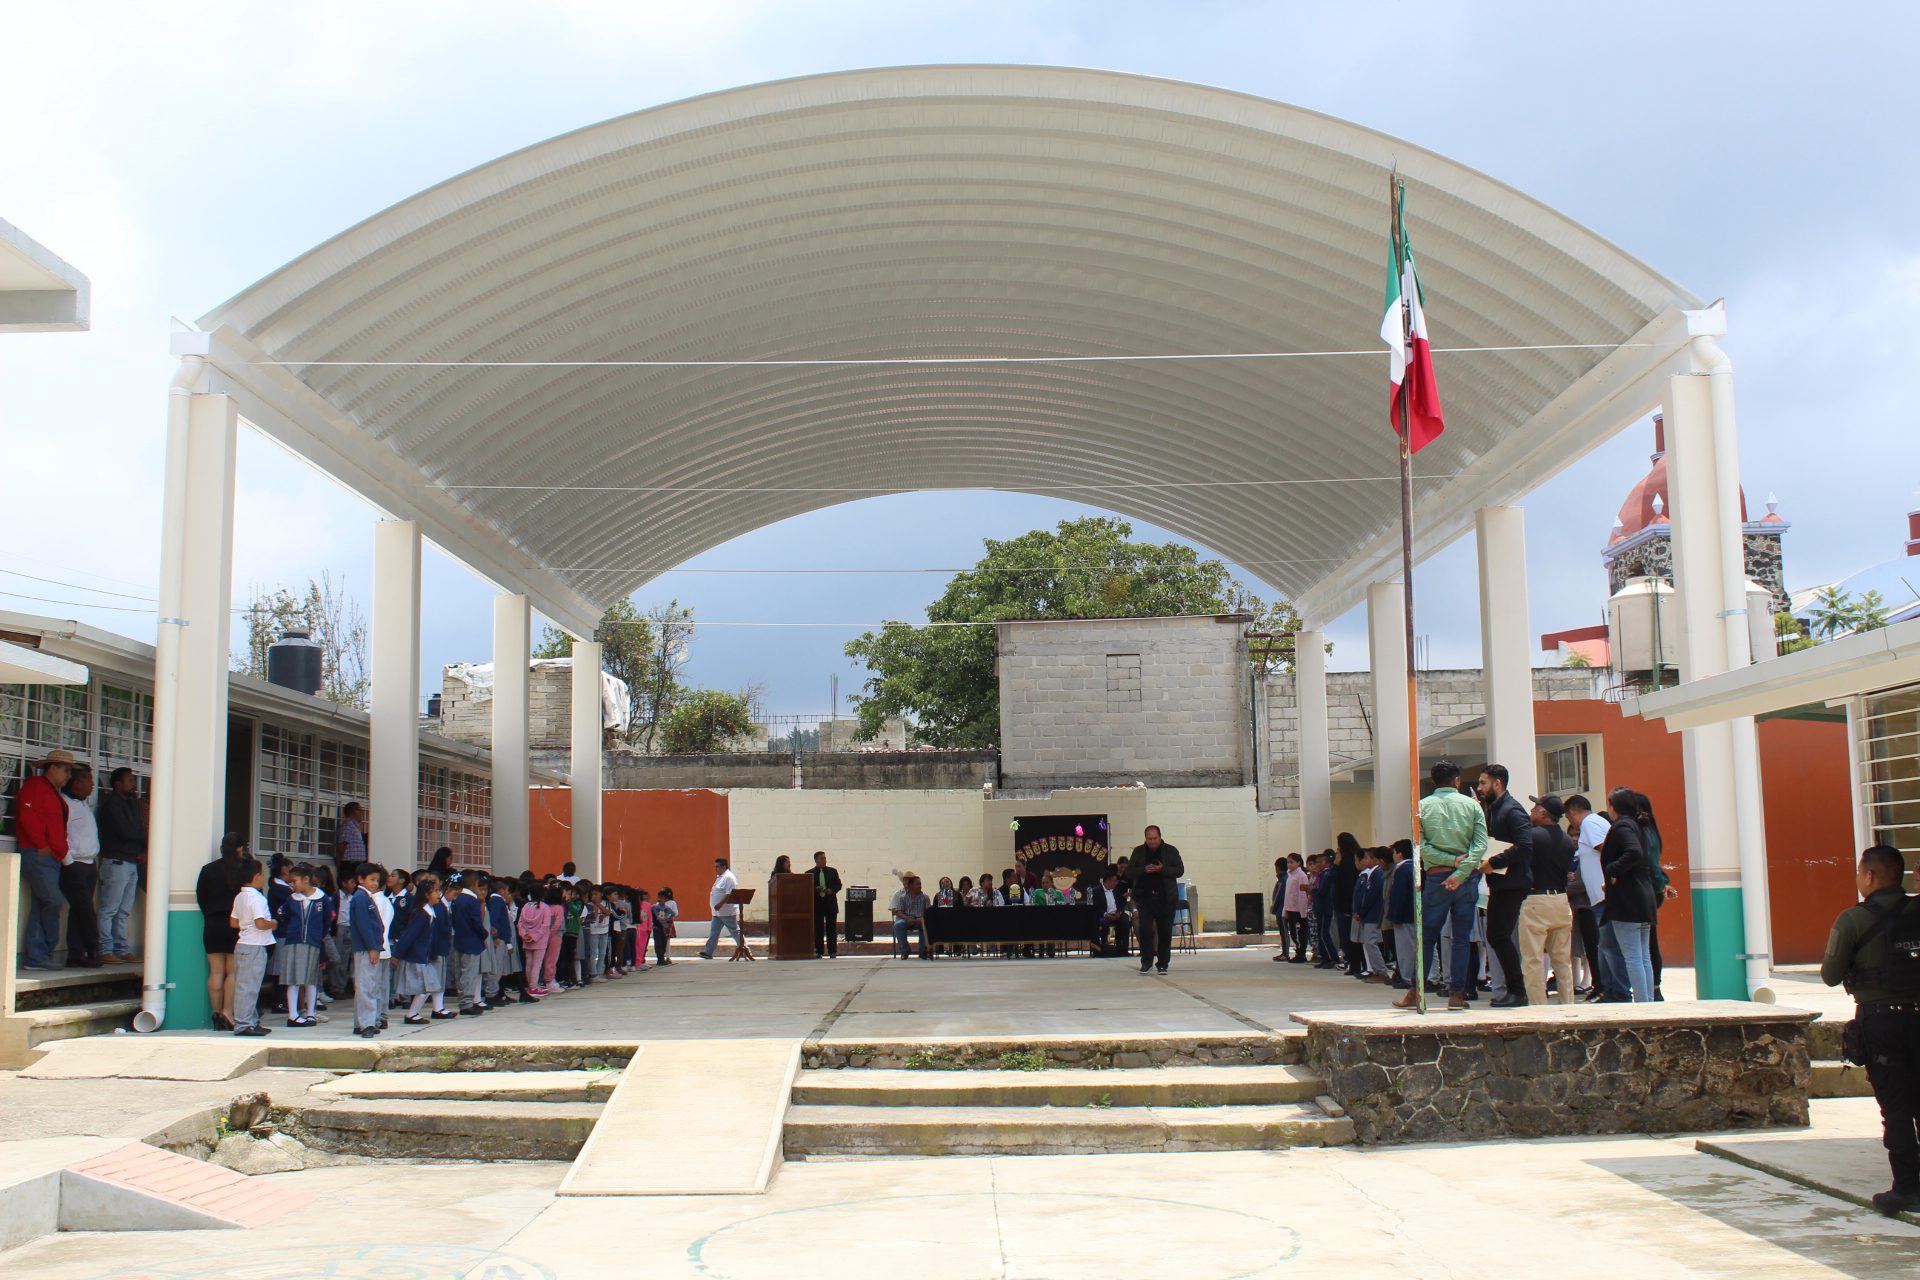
(1647, 503)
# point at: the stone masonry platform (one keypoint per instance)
(1563, 1070)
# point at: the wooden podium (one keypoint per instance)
(790, 917)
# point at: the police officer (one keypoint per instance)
(1862, 952)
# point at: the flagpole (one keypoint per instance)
(1396, 196)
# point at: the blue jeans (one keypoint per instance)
(732, 925)
(901, 928)
(41, 874)
(1613, 977)
(118, 882)
(1443, 906)
(1631, 939)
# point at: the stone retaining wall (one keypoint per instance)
(1424, 1081)
(1036, 1055)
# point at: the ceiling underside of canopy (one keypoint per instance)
(928, 212)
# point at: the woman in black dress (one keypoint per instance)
(215, 891)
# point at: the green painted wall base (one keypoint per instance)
(187, 970)
(1719, 940)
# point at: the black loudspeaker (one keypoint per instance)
(859, 914)
(1249, 914)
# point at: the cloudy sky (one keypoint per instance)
(175, 154)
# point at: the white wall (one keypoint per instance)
(1227, 845)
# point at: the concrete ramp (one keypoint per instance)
(141, 1188)
(148, 1058)
(719, 1106)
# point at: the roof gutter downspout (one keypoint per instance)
(1750, 821)
(166, 698)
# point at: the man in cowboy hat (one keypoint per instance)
(40, 834)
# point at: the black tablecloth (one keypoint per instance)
(1012, 924)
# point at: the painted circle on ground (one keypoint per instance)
(1032, 1236)
(372, 1262)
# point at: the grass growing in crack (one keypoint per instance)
(1195, 1102)
(1023, 1060)
(1104, 1100)
(933, 1060)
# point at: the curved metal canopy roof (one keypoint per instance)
(922, 212)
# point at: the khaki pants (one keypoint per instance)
(1546, 929)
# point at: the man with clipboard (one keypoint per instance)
(1509, 868)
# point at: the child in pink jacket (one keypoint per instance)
(536, 937)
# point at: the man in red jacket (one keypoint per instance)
(40, 834)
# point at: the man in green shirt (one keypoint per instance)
(1453, 840)
(1872, 950)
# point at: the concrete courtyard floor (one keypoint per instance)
(1648, 1207)
(868, 998)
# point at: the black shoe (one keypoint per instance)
(1896, 1202)
(367, 1031)
(1146, 968)
(472, 1011)
(1162, 971)
(442, 1015)
(255, 1030)
(416, 1019)
(1508, 1002)
(383, 1024)
(529, 999)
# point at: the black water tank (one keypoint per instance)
(293, 662)
(433, 707)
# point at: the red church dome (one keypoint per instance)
(1648, 504)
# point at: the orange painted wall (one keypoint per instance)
(1803, 773)
(647, 838)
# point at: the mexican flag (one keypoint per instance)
(1409, 362)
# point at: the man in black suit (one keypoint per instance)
(1116, 928)
(1508, 820)
(1157, 869)
(826, 908)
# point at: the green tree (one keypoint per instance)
(1789, 635)
(1837, 613)
(941, 675)
(705, 721)
(646, 650)
(327, 614)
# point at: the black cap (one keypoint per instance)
(1552, 804)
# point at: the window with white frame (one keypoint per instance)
(1567, 770)
(1888, 741)
(36, 719)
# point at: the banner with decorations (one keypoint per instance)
(1054, 845)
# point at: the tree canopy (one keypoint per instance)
(941, 676)
(648, 651)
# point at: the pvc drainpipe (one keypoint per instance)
(166, 698)
(1749, 821)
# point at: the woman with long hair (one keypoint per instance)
(1662, 883)
(214, 892)
(1630, 898)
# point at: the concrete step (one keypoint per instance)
(54, 989)
(1838, 1078)
(475, 1086)
(1052, 1131)
(430, 1129)
(1823, 1039)
(65, 1023)
(1060, 1087)
(1149, 1049)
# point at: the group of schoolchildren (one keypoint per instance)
(422, 940)
(1360, 934)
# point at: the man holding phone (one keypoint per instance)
(1156, 870)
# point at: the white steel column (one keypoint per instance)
(189, 694)
(1316, 765)
(1392, 767)
(588, 734)
(393, 801)
(512, 652)
(1725, 824)
(1506, 645)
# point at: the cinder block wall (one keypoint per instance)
(465, 718)
(1161, 701)
(1445, 699)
